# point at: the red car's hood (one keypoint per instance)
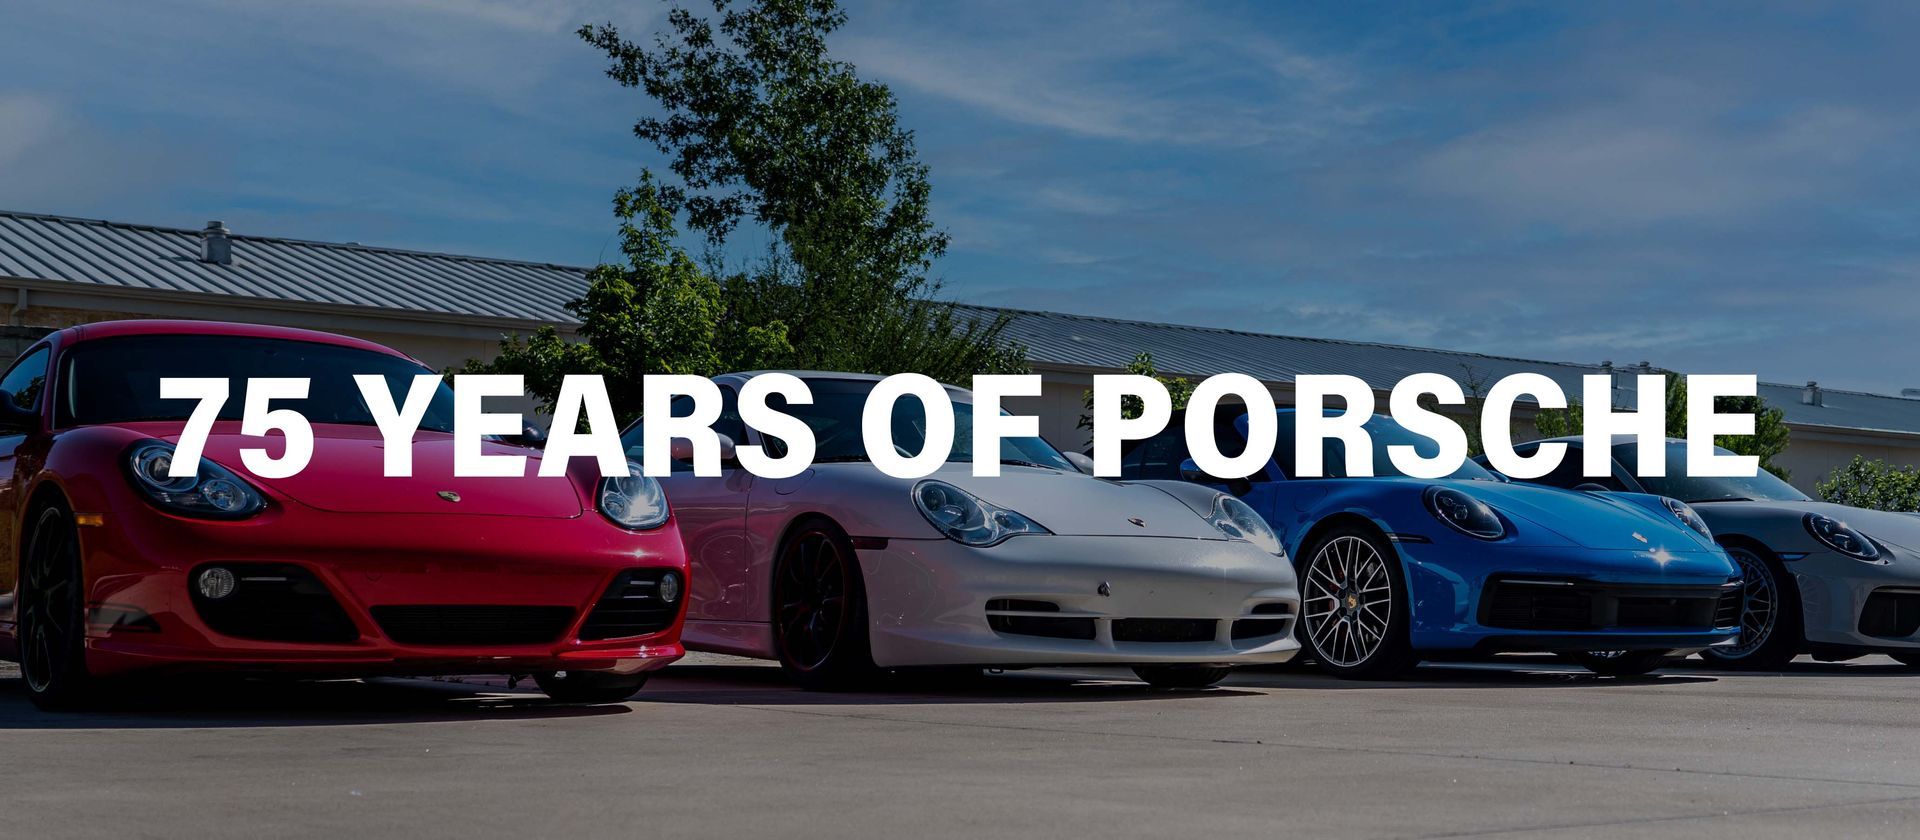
(345, 475)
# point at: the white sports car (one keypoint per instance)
(844, 571)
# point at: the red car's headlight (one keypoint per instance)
(214, 493)
(634, 501)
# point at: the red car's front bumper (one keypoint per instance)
(417, 594)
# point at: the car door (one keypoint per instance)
(712, 514)
(24, 384)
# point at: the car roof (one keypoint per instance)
(116, 329)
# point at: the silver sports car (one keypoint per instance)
(843, 571)
(1829, 580)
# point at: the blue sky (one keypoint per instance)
(1715, 188)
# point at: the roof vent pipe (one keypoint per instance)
(1810, 395)
(216, 247)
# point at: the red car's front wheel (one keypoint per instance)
(51, 624)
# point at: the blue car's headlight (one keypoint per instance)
(965, 518)
(1688, 516)
(1239, 521)
(635, 501)
(212, 493)
(1464, 513)
(1841, 537)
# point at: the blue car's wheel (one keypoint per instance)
(1353, 613)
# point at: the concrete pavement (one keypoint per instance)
(724, 748)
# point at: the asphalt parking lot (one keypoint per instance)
(723, 748)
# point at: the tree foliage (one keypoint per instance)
(1179, 389)
(763, 128)
(1872, 484)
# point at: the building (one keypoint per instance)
(445, 309)
(442, 309)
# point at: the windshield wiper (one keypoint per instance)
(1019, 463)
(1719, 499)
(841, 459)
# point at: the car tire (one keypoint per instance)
(590, 686)
(1621, 663)
(1781, 631)
(819, 603)
(51, 625)
(1350, 575)
(1180, 676)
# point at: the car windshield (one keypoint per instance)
(117, 380)
(1763, 487)
(1384, 432)
(835, 414)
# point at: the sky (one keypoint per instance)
(1716, 188)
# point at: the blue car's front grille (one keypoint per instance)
(1550, 604)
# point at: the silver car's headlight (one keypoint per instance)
(1464, 513)
(1690, 517)
(212, 493)
(966, 518)
(634, 501)
(1841, 537)
(1238, 521)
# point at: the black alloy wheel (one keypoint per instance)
(51, 624)
(819, 609)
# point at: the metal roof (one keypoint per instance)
(149, 259)
(129, 258)
(1083, 341)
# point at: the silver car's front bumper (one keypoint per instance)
(1836, 592)
(1065, 600)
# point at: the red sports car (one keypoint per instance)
(114, 567)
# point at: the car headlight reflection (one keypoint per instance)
(1841, 537)
(1464, 513)
(1690, 517)
(1238, 521)
(966, 518)
(635, 502)
(214, 492)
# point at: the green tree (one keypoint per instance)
(657, 313)
(763, 128)
(1872, 484)
(1179, 389)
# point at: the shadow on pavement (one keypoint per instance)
(1504, 674)
(229, 703)
(1868, 667)
(764, 686)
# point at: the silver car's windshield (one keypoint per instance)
(835, 418)
(1764, 487)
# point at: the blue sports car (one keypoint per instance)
(1395, 570)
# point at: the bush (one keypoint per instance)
(1873, 484)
